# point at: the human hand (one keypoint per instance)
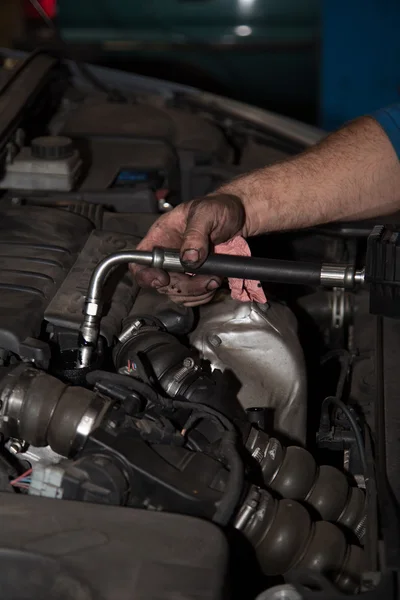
(193, 228)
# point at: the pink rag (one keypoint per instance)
(244, 290)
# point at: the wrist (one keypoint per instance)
(255, 192)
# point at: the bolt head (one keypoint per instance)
(188, 362)
(16, 446)
(214, 340)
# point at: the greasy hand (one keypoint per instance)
(193, 228)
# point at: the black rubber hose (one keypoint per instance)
(287, 539)
(261, 269)
(292, 473)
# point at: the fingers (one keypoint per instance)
(176, 284)
(194, 249)
(185, 287)
(191, 291)
(162, 233)
(214, 219)
(191, 303)
(146, 277)
(192, 227)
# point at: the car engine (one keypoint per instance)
(222, 452)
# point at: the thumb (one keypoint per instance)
(195, 245)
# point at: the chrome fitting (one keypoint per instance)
(158, 258)
(172, 262)
(169, 260)
(359, 277)
(336, 276)
(92, 309)
(89, 330)
(342, 276)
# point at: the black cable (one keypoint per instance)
(197, 416)
(334, 354)
(130, 383)
(354, 425)
(368, 532)
(234, 486)
(345, 361)
(206, 409)
(112, 93)
(371, 523)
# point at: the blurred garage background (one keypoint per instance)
(320, 61)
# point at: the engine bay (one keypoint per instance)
(236, 450)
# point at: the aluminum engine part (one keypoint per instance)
(286, 591)
(259, 344)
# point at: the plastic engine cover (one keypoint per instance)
(65, 310)
(46, 259)
(38, 246)
(75, 550)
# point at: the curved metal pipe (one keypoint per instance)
(90, 327)
(105, 267)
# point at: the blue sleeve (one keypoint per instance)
(389, 119)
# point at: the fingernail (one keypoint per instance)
(156, 283)
(212, 285)
(190, 256)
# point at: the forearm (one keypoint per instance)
(352, 174)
